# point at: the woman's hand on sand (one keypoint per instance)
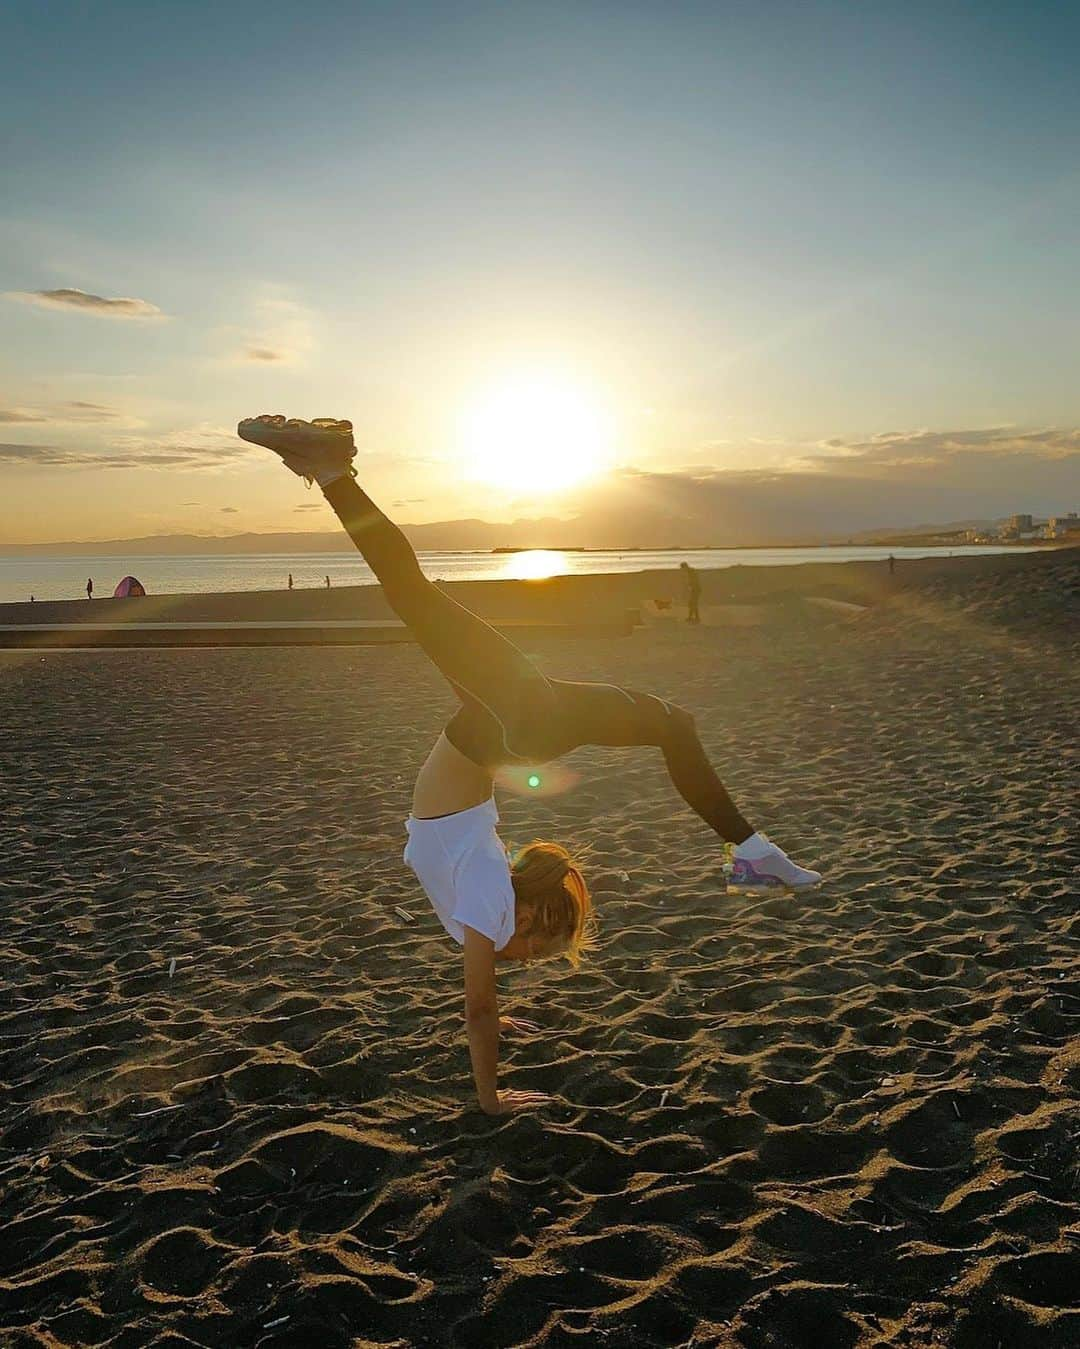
(514, 1102)
(515, 1023)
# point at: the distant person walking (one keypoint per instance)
(327, 582)
(692, 585)
(892, 564)
(89, 587)
(290, 580)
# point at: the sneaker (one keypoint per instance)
(767, 868)
(319, 451)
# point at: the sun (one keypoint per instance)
(537, 432)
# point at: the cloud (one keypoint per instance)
(309, 506)
(84, 302)
(10, 416)
(91, 412)
(74, 411)
(202, 447)
(31, 454)
(891, 480)
(915, 450)
(229, 510)
(281, 331)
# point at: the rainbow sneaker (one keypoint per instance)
(319, 451)
(758, 866)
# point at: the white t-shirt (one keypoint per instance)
(460, 861)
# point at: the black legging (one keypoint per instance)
(511, 711)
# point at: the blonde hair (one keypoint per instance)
(551, 889)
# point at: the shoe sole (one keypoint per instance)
(268, 438)
(771, 888)
(284, 440)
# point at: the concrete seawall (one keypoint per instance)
(570, 605)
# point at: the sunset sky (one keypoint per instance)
(816, 252)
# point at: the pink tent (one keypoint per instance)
(128, 586)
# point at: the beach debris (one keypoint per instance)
(269, 1325)
(404, 914)
(172, 967)
(663, 1099)
(161, 1109)
(956, 1109)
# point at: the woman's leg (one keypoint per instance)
(696, 780)
(605, 714)
(483, 666)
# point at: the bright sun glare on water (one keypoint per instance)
(537, 432)
(535, 565)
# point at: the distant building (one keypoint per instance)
(1020, 524)
(1063, 526)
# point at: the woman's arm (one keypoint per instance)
(482, 1025)
(482, 1017)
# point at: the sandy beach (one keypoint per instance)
(235, 1101)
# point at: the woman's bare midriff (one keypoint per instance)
(449, 782)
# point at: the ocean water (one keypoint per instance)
(63, 578)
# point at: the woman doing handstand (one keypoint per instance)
(538, 906)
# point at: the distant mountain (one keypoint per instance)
(467, 535)
(918, 531)
(170, 545)
(630, 525)
(478, 536)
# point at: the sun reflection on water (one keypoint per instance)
(535, 565)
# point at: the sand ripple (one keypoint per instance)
(849, 1120)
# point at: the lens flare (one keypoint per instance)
(553, 781)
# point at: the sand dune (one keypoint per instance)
(235, 1105)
